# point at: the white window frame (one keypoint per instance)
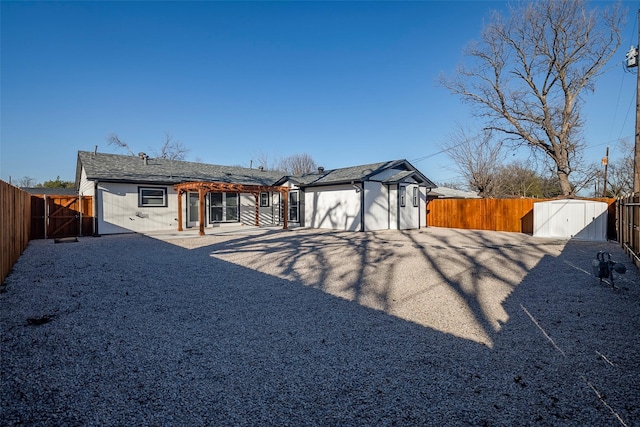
(416, 198)
(264, 200)
(403, 196)
(142, 197)
(294, 206)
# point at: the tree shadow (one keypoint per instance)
(306, 328)
(454, 282)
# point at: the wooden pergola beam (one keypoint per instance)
(203, 188)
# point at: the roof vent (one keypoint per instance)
(320, 169)
(261, 168)
(143, 156)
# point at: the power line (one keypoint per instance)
(428, 156)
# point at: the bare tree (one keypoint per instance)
(114, 139)
(297, 164)
(517, 179)
(620, 173)
(26, 181)
(171, 149)
(263, 161)
(530, 69)
(477, 157)
(521, 179)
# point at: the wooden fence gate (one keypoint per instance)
(54, 217)
(629, 214)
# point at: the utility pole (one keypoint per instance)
(605, 162)
(632, 61)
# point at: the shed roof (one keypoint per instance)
(42, 191)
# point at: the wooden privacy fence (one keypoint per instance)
(514, 215)
(15, 223)
(25, 216)
(54, 216)
(629, 226)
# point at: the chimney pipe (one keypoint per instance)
(144, 157)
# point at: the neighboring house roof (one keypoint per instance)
(359, 174)
(450, 193)
(122, 168)
(42, 191)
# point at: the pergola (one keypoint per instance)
(204, 188)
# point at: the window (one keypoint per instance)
(223, 207)
(294, 206)
(264, 200)
(416, 199)
(403, 196)
(152, 197)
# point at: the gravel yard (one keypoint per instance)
(262, 327)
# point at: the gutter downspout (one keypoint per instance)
(95, 209)
(46, 215)
(362, 207)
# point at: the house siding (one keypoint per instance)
(118, 204)
(248, 212)
(333, 207)
(117, 210)
(376, 206)
(85, 188)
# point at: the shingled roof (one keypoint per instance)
(359, 174)
(121, 168)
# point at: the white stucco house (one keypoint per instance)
(141, 194)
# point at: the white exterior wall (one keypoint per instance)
(248, 211)
(118, 210)
(579, 219)
(332, 207)
(85, 188)
(376, 206)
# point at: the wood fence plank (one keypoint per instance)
(514, 215)
(15, 224)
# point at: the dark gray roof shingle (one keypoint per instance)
(361, 173)
(121, 168)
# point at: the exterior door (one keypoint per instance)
(408, 205)
(192, 209)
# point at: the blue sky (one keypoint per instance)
(346, 82)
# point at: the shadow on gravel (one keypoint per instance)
(148, 333)
(454, 282)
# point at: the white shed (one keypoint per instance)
(577, 219)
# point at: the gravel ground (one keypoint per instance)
(262, 327)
